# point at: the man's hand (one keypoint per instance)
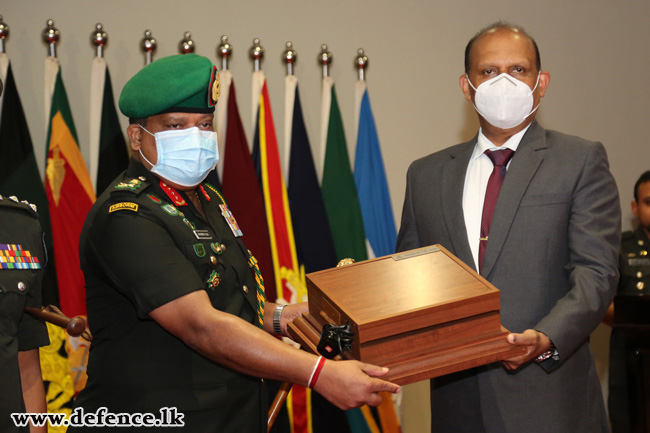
(536, 343)
(290, 313)
(350, 384)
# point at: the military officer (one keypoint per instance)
(175, 300)
(22, 258)
(634, 264)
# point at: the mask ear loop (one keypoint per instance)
(140, 150)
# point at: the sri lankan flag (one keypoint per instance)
(70, 195)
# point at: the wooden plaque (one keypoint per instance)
(422, 313)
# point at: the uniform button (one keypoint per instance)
(639, 242)
(639, 274)
(22, 286)
(245, 289)
(640, 285)
(643, 253)
(223, 248)
(142, 178)
(213, 260)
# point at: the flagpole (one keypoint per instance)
(51, 36)
(224, 51)
(99, 39)
(325, 58)
(361, 63)
(289, 57)
(4, 33)
(148, 45)
(256, 53)
(186, 45)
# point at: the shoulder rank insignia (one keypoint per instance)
(131, 185)
(123, 206)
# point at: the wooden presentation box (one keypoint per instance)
(422, 313)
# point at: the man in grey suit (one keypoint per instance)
(551, 247)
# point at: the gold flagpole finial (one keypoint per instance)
(186, 45)
(4, 34)
(224, 50)
(325, 59)
(361, 62)
(148, 45)
(257, 54)
(290, 56)
(99, 38)
(51, 36)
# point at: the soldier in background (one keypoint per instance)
(634, 263)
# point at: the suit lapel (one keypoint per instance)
(453, 181)
(524, 165)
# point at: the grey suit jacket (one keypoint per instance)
(552, 253)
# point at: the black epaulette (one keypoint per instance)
(134, 185)
(13, 202)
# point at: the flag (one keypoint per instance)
(108, 152)
(70, 195)
(370, 180)
(313, 238)
(314, 244)
(289, 280)
(242, 190)
(338, 188)
(19, 174)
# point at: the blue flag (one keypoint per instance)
(370, 179)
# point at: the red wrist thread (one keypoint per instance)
(314, 374)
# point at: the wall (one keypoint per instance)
(596, 52)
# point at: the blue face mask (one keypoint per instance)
(185, 156)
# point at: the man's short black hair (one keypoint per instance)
(645, 177)
(499, 25)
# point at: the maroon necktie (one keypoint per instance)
(500, 160)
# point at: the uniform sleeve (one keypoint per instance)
(141, 260)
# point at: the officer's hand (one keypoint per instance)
(290, 313)
(535, 342)
(350, 384)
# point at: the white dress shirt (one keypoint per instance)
(478, 172)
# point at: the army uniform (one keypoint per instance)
(22, 258)
(634, 266)
(144, 245)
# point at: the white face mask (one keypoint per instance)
(185, 156)
(504, 101)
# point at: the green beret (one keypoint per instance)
(184, 83)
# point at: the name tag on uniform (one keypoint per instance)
(202, 234)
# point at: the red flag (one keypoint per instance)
(244, 195)
(70, 195)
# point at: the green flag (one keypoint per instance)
(339, 191)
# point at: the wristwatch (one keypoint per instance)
(551, 352)
(277, 316)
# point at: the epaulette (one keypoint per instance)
(13, 202)
(135, 185)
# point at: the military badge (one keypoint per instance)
(123, 206)
(199, 249)
(132, 185)
(214, 89)
(170, 209)
(214, 280)
(217, 247)
(154, 199)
